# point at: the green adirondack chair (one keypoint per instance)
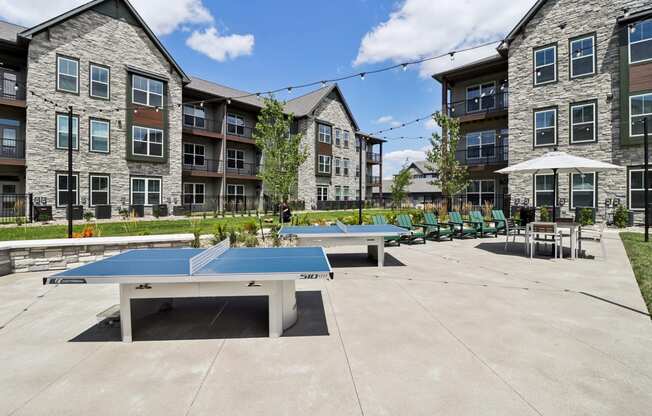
(457, 224)
(481, 225)
(501, 221)
(389, 241)
(404, 221)
(435, 230)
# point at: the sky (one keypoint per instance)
(259, 45)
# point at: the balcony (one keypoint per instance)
(12, 149)
(373, 180)
(483, 155)
(11, 91)
(201, 126)
(479, 107)
(240, 133)
(234, 168)
(373, 157)
(210, 168)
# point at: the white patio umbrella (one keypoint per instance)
(558, 162)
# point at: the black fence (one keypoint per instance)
(477, 105)
(16, 208)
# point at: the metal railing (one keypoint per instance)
(483, 155)
(242, 169)
(201, 123)
(12, 149)
(10, 88)
(15, 208)
(483, 104)
(239, 131)
(373, 157)
(373, 180)
(210, 165)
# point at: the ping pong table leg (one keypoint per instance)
(380, 244)
(125, 313)
(276, 309)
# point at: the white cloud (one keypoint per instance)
(394, 161)
(419, 28)
(163, 17)
(218, 47)
(389, 120)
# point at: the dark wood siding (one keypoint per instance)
(640, 77)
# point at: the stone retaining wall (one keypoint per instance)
(61, 254)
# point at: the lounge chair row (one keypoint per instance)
(432, 229)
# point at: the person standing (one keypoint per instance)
(286, 214)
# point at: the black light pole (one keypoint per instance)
(554, 193)
(70, 172)
(360, 185)
(646, 185)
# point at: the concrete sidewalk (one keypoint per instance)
(450, 328)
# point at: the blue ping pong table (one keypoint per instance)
(372, 236)
(217, 271)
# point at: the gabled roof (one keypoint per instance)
(422, 165)
(521, 24)
(306, 104)
(9, 32)
(29, 33)
(213, 88)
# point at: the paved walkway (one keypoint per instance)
(462, 328)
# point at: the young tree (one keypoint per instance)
(281, 150)
(452, 177)
(401, 181)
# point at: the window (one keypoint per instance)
(62, 132)
(480, 191)
(545, 65)
(640, 106)
(193, 193)
(582, 57)
(583, 190)
(338, 193)
(347, 139)
(545, 127)
(8, 138)
(481, 145)
(235, 124)
(99, 190)
(62, 189)
(640, 41)
(145, 191)
(345, 167)
(235, 193)
(357, 171)
(99, 87)
(8, 84)
(637, 188)
(324, 165)
(147, 142)
(67, 74)
(194, 116)
(345, 193)
(234, 159)
(193, 154)
(99, 136)
(322, 193)
(324, 134)
(480, 97)
(582, 123)
(146, 91)
(544, 193)
(338, 137)
(338, 162)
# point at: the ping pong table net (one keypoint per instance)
(202, 259)
(341, 226)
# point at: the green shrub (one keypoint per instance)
(88, 216)
(621, 216)
(250, 241)
(544, 214)
(250, 227)
(233, 237)
(221, 233)
(586, 216)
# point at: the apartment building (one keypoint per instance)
(421, 190)
(145, 135)
(579, 75)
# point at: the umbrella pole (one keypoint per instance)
(554, 193)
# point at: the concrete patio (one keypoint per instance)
(447, 328)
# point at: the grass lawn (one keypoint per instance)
(640, 256)
(110, 229)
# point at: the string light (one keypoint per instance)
(362, 74)
(404, 67)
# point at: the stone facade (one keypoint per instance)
(92, 37)
(557, 22)
(332, 111)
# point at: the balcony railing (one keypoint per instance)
(201, 123)
(10, 88)
(373, 157)
(479, 105)
(483, 155)
(209, 165)
(373, 180)
(12, 149)
(242, 169)
(239, 131)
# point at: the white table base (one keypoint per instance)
(375, 245)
